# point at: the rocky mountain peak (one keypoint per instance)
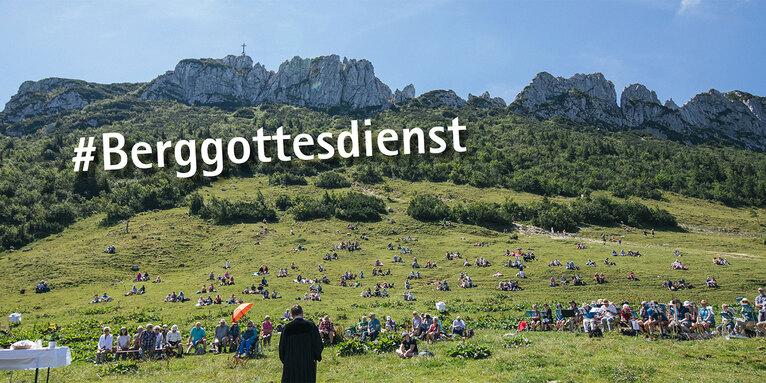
(486, 101)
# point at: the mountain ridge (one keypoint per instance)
(349, 85)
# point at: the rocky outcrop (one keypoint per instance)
(584, 97)
(55, 95)
(734, 116)
(437, 98)
(405, 94)
(322, 82)
(485, 101)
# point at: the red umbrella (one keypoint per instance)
(240, 311)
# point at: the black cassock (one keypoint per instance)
(300, 347)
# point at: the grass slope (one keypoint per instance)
(184, 249)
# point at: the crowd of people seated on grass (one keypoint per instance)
(515, 263)
(207, 289)
(677, 265)
(681, 284)
(101, 299)
(380, 272)
(599, 278)
(652, 318)
(554, 263)
(630, 253)
(450, 256)
(465, 281)
(348, 245)
(414, 275)
(711, 282)
(142, 277)
(482, 262)
(379, 292)
(298, 248)
(442, 286)
(173, 297)
(509, 286)
(407, 296)
(521, 255)
(330, 257)
(135, 291)
(42, 287)
(571, 266)
(579, 246)
(721, 261)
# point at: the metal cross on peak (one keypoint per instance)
(243, 48)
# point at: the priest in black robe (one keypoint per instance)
(300, 348)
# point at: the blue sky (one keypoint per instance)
(675, 47)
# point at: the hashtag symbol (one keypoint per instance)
(84, 154)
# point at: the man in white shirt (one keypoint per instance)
(458, 327)
(173, 338)
(608, 315)
(105, 345)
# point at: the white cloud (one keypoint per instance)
(688, 6)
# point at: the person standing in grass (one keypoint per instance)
(300, 348)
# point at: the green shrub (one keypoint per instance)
(516, 341)
(425, 207)
(351, 347)
(469, 351)
(331, 180)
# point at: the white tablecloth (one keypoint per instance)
(35, 358)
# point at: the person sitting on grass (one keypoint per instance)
(327, 329)
(249, 337)
(373, 329)
(390, 324)
(105, 345)
(408, 348)
(197, 337)
(458, 327)
(434, 331)
(132, 291)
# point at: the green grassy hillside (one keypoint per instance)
(183, 249)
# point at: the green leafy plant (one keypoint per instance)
(516, 341)
(352, 347)
(469, 351)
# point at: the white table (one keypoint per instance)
(35, 359)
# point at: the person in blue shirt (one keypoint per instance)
(706, 317)
(196, 335)
(373, 329)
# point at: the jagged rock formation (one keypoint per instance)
(55, 95)
(436, 98)
(734, 116)
(485, 101)
(330, 83)
(322, 82)
(581, 97)
(405, 94)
